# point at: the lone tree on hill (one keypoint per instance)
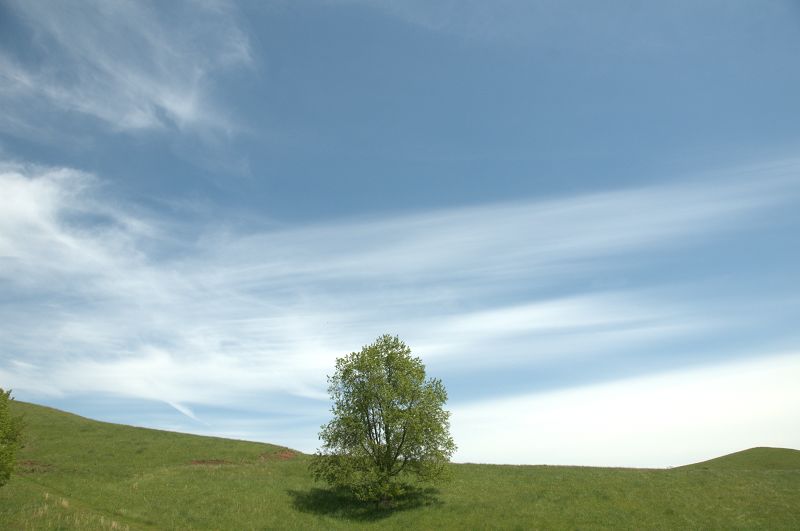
(389, 425)
(10, 435)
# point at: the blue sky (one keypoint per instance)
(582, 217)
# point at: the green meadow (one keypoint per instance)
(76, 473)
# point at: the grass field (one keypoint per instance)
(75, 473)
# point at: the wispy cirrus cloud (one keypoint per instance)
(131, 65)
(101, 297)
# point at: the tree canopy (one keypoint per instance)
(10, 437)
(389, 427)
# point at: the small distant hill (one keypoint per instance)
(77, 473)
(760, 458)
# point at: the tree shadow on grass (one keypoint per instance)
(342, 504)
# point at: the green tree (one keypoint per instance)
(389, 429)
(10, 437)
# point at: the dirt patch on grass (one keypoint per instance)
(29, 466)
(210, 462)
(280, 455)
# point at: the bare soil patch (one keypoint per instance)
(281, 455)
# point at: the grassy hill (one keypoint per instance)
(75, 473)
(753, 459)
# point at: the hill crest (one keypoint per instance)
(758, 458)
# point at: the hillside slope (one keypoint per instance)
(754, 459)
(75, 473)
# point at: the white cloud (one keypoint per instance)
(670, 419)
(101, 297)
(124, 63)
(561, 329)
